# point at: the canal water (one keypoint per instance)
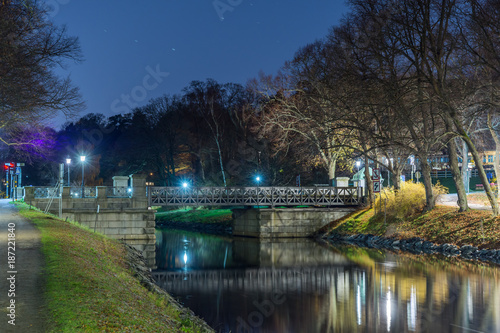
(298, 285)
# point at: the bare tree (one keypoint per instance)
(31, 47)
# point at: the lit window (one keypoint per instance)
(490, 158)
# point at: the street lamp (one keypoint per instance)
(358, 164)
(185, 185)
(258, 179)
(68, 162)
(82, 160)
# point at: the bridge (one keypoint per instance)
(268, 212)
(254, 196)
(274, 211)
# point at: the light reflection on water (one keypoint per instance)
(244, 285)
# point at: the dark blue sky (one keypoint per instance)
(126, 42)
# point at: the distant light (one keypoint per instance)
(185, 258)
(68, 161)
(129, 190)
(258, 178)
(358, 164)
(185, 185)
(82, 158)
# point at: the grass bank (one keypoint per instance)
(441, 225)
(207, 216)
(90, 287)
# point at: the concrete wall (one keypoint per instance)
(127, 219)
(284, 222)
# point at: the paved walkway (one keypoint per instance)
(28, 273)
(451, 200)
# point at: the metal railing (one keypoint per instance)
(46, 192)
(118, 192)
(254, 196)
(88, 192)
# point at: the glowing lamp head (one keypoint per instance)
(82, 158)
(184, 185)
(257, 178)
(68, 161)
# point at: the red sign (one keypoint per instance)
(376, 174)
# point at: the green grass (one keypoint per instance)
(221, 216)
(90, 288)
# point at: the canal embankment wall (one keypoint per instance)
(122, 218)
(284, 222)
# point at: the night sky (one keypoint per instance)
(145, 49)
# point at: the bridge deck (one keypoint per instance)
(254, 196)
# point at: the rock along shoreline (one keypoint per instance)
(416, 245)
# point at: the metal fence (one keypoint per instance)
(118, 192)
(46, 192)
(88, 192)
(254, 196)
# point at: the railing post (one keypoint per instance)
(272, 197)
(148, 191)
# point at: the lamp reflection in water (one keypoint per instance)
(389, 310)
(358, 305)
(412, 310)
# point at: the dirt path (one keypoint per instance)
(28, 274)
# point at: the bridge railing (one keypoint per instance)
(254, 196)
(46, 192)
(88, 192)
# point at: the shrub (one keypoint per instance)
(408, 201)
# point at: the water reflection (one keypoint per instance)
(243, 285)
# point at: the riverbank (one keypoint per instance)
(91, 284)
(211, 221)
(473, 235)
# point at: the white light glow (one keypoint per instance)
(388, 310)
(358, 305)
(412, 310)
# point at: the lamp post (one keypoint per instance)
(258, 184)
(82, 160)
(68, 162)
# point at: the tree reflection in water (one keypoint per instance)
(245, 285)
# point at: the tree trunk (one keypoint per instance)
(482, 175)
(457, 176)
(332, 164)
(220, 162)
(496, 158)
(430, 201)
(465, 166)
(455, 170)
(368, 182)
(396, 179)
(479, 162)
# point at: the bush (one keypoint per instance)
(408, 201)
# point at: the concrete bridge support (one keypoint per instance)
(122, 218)
(284, 222)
